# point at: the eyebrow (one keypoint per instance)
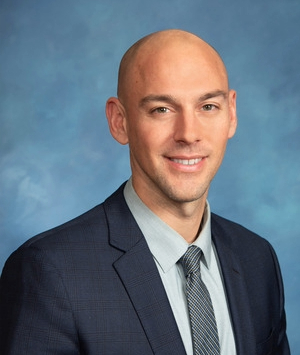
(213, 94)
(157, 98)
(172, 100)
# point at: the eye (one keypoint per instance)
(160, 110)
(209, 107)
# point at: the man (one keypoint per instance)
(114, 280)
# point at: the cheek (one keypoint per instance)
(219, 142)
(148, 136)
(141, 142)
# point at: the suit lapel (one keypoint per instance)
(140, 277)
(236, 291)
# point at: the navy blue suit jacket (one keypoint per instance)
(91, 287)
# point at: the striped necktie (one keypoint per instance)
(202, 317)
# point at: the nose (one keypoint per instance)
(187, 128)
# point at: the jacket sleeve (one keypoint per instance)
(282, 345)
(35, 313)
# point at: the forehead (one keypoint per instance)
(177, 64)
(180, 75)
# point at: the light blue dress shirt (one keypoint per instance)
(167, 247)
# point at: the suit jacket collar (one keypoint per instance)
(140, 277)
(236, 290)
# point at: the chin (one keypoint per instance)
(187, 197)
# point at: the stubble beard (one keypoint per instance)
(171, 193)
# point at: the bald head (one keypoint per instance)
(173, 45)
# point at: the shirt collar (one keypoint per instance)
(166, 245)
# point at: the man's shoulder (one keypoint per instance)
(227, 224)
(90, 226)
(235, 234)
(77, 232)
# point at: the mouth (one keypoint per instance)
(187, 161)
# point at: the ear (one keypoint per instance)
(232, 114)
(116, 118)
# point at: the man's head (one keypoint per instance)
(176, 112)
(151, 46)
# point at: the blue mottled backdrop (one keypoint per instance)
(58, 65)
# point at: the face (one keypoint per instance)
(176, 118)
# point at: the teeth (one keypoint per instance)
(187, 161)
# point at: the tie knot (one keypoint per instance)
(190, 261)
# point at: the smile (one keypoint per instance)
(187, 161)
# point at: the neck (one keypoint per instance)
(186, 220)
(184, 217)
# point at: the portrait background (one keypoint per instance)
(58, 65)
